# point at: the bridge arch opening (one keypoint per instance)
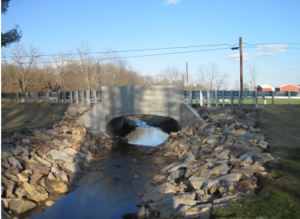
(123, 125)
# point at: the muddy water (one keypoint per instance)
(113, 191)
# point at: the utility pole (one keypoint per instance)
(114, 80)
(99, 76)
(187, 78)
(241, 65)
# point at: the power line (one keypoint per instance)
(138, 56)
(137, 50)
(160, 54)
(163, 48)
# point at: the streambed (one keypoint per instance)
(113, 190)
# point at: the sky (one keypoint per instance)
(272, 25)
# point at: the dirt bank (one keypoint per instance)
(15, 116)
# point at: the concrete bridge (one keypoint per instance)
(118, 102)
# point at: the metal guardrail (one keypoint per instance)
(74, 97)
(218, 96)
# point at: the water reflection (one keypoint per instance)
(147, 137)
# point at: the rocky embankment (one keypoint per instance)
(41, 161)
(219, 160)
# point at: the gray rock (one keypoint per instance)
(36, 192)
(247, 173)
(5, 152)
(199, 211)
(58, 155)
(264, 157)
(158, 193)
(13, 161)
(221, 169)
(20, 205)
(9, 186)
(184, 164)
(72, 167)
(233, 176)
(248, 154)
(226, 199)
(175, 203)
(4, 214)
(197, 182)
(176, 174)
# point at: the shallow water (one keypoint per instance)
(113, 191)
(148, 137)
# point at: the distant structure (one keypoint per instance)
(288, 87)
(265, 88)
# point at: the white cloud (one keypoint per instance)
(273, 48)
(267, 70)
(168, 2)
(236, 56)
(292, 67)
(266, 54)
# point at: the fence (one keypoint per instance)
(76, 97)
(230, 96)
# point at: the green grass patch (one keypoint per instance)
(260, 101)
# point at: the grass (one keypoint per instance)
(260, 101)
(278, 198)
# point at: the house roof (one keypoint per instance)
(265, 86)
(289, 84)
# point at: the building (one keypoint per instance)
(288, 87)
(265, 88)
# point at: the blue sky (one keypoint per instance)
(59, 26)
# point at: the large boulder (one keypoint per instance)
(20, 205)
(36, 192)
(157, 193)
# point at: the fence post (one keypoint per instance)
(190, 97)
(208, 98)
(58, 96)
(26, 96)
(94, 97)
(88, 99)
(71, 97)
(289, 92)
(76, 97)
(64, 97)
(239, 98)
(272, 97)
(216, 97)
(201, 98)
(82, 97)
(37, 97)
(231, 97)
(17, 97)
(47, 95)
(223, 98)
(256, 98)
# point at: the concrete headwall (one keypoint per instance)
(135, 100)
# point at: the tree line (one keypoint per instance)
(25, 69)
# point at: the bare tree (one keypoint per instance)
(210, 77)
(170, 76)
(84, 65)
(54, 74)
(22, 62)
(253, 77)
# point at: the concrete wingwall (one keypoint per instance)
(118, 102)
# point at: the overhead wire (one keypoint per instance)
(159, 54)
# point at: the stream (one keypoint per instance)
(114, 190)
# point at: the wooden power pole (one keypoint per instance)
(99, 76)
(241, 65)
